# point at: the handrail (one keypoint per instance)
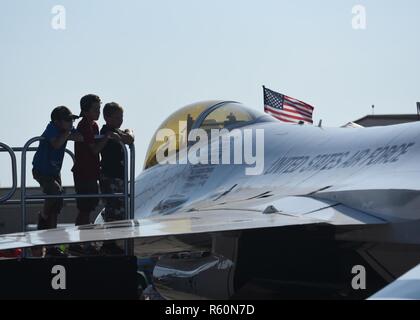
(129, 245)
(5, 200)
(23, 180)
(128, 194)
(25, 197)
(33, 149)
(132, 179)
(15, 202)
(9, 195)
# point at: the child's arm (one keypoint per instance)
(127, 136)
(100, 144)
(96, 143)
(76, 136)
(59, 141)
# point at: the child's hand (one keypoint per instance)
(128, 136)
(113, 136)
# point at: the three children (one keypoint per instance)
(87, 169)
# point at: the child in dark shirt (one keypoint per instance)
(112, 164)
(112, 169)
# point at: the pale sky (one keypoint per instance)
(154, 57)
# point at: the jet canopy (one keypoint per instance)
(205, 115)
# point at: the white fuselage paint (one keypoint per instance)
(375, 170)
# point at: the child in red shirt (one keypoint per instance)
(86, 168)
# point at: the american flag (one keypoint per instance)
(285, 108)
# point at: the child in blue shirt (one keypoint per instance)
(48, 161)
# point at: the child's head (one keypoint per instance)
(113, 115)
(63, 118)
(90, 106)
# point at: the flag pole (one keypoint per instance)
(263, 96)
(418, 110)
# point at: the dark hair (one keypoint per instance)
(62, 113)
(111, 108)
(87, 101)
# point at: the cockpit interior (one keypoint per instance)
(205, 115)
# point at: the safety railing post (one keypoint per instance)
(126, 196)
(9, 195)
(23, 180)
(23, 184)
(130, 242)
(132, 179)
(126, 199)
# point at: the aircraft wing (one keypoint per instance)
(406, 287)
(287, 211)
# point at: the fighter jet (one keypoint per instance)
(305, 206)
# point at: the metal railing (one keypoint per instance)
(132, 179)
(9, 195)
(129, 209)
(7, 199)
(128, 194)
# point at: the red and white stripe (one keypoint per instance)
(293, 111)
